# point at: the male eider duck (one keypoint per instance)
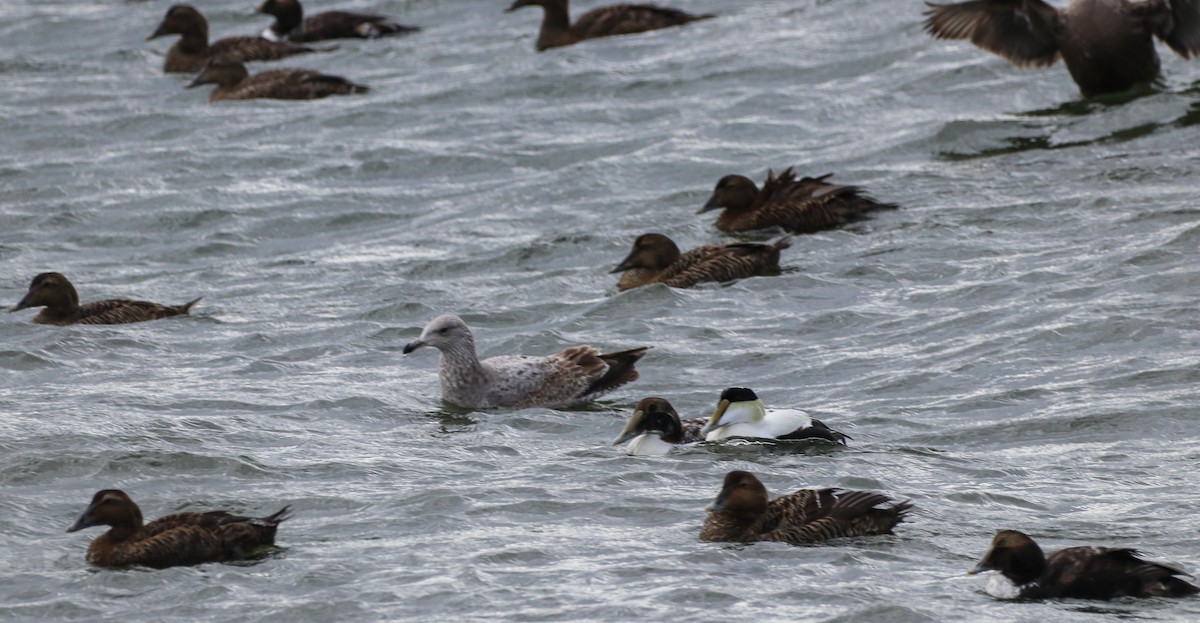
(189, 53)
(566, 378)
(1108, 45)
(291, 25)
(620, 19)
(740, 413)
(173, 540)
(798, 206)
(54, 292)
(655, 428)
(741, 513)
(1079, 572)
(656, 259)
(234, 82)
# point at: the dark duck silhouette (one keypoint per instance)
(1079, 572)
(742, 513)
(740, 413)
(655, 428)
(54, 292)
(1108, 45)
(173, 540)
(234, 82)
(801, 206)
(192, 50)
(619, 19)
(655, 258)
(291, 25)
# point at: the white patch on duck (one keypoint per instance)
(649, 444)
(751, 419)
(271, 35)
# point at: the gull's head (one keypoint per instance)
(738, 405)
(442, 332)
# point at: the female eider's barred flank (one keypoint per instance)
(620, 19)
(54, 292)
(799, 206)
(192, 50)
(655, 258)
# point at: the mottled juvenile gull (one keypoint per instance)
(575, 375)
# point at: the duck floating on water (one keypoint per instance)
(234, 82)
(741, 513)
(1079, 572)
(655, 429)
(291, 25)
(801, 206)
(55, 292)
(740, 413)
(1108, 45)
(173, 540)
(655, 258)
(620, 19)
(566, 378)
(192, 50)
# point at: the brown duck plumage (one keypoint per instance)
(799, 206)
(290, 24)
(234, 82)
(656, 416)
(1108, 45)
(656, 259)
(620, 19)
(1080, 572)
(742, 513)
(54, 292)
(179, 539)
(192, 50)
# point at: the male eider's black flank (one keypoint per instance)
(173, 540)
(234, 82)
(741, 513)
(1080, 572)
(291, 25)
(801, 206)
(655, 258)
(1108, 45)
(192, 50)
(56, 294)
(620, 19)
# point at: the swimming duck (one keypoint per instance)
(742, 514)
(655, 428)
(173, 540)
(656, 259)
(740, 413)
(1079, 572)
(619, 19)
(290, 24)
(1107, 44)
(235, 83)
(799, 206)
(566, 378)
(54, 292)
(189, 53)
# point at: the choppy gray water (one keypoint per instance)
(1016, 348)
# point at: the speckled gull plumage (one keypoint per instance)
(571, 376)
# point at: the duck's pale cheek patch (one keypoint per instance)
(998, 586)
(648, 445)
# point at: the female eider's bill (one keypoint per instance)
(192, 50)
(566, 378)
(655, 258)
(741, 513)
(1108, 45)
(235, 83)
(1078, 572)
(620, 19)
(54, 292)
(655, 429)
(173, 540)
(740, 413)
(291, 25)
(801, 206)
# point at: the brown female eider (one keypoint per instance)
(291, 25)
(1079, 572)
(655, 428)
(619, 19)
(656, 259)
(234, 82)
(1108, 45)
(741, 513)
(799, 206)
(189, 53)
(173, 540)
(54, 292)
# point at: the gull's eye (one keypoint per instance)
(444, 330)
